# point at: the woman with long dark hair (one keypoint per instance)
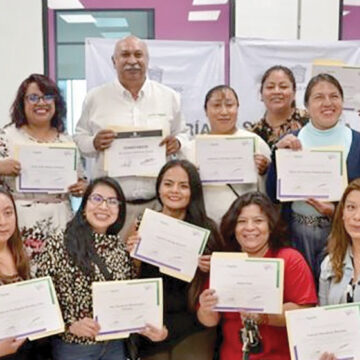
(252, 225)
(179, 191)
(88, 250)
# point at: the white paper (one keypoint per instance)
(29, 309)
(332, 329)
(226, 159)
(247, 284)
(171, 244)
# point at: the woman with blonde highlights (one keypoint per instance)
(340, 270)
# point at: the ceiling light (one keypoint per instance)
(64, 4)
(203, 15)
(209, 2)
(115, 35)
(352, 2)
(111, 22)
(78, 18)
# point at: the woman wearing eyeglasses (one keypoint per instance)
(88, 250)
(37, 116)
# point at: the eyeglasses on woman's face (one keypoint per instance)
(35, 98)
(97, 200)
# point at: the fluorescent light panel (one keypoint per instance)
(65, 4)
(212, 15)
(352, 2)
(209, 2)
(78, 18)
(111, 22)
(115, 35)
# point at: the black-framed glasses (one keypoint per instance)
(35, 98)
(97, 200)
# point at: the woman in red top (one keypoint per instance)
(251, 225)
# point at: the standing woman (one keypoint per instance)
(37, 116)
(221, 108)
(179, 191)
(310, 220)
(14, 266)
(252, 225)
(278, 89)
(88, 250)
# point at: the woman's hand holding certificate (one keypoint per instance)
(171, 244)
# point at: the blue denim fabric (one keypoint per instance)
(311, 241)
(108, 350)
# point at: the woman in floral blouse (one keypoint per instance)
(278, 88)
(88, 250)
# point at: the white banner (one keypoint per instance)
(249, 59)
(189, 67)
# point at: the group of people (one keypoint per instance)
(40, 236)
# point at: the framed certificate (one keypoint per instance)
(124, 307)
(247, 284)
(171, 244)
(226, 159)
(46, 168)
(135, 153)
(29, 309)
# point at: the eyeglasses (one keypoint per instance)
(35, 99)
(97, 200)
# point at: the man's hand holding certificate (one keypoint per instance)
(333, 329)
(135, 153)
(29, 309)
(124, 307)
(226, 159)
(316, 173)
(171, 244)
(247, 284)
(46, 167)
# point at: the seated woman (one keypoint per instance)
(14, 266)
(179, 191)
(278, 90)
(310, 221)
(88, 250)
(37, 116)
(221, 107)
(251, 225)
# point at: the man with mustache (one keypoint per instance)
(131, 100)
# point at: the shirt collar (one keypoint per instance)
(144, 91)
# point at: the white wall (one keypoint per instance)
(287, 19)
(21, 47)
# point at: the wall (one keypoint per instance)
(21, 46)
(170, 21)
(351, 23)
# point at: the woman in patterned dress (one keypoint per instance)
(89, 250)
(37, 116)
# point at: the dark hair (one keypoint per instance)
(319, 78)
(339, 239)
(219, 88)
(195, 214)
(16, 246)
(277, 237)
(46, 86)
(78, 235)
(286, 71)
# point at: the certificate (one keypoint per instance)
(334, 329)
(135, 153)
(124, 307)
(49, 168)
(226, 159)
(29, 309)
(349, 78)
(171, 244)
(310, 173)
(247, 284)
